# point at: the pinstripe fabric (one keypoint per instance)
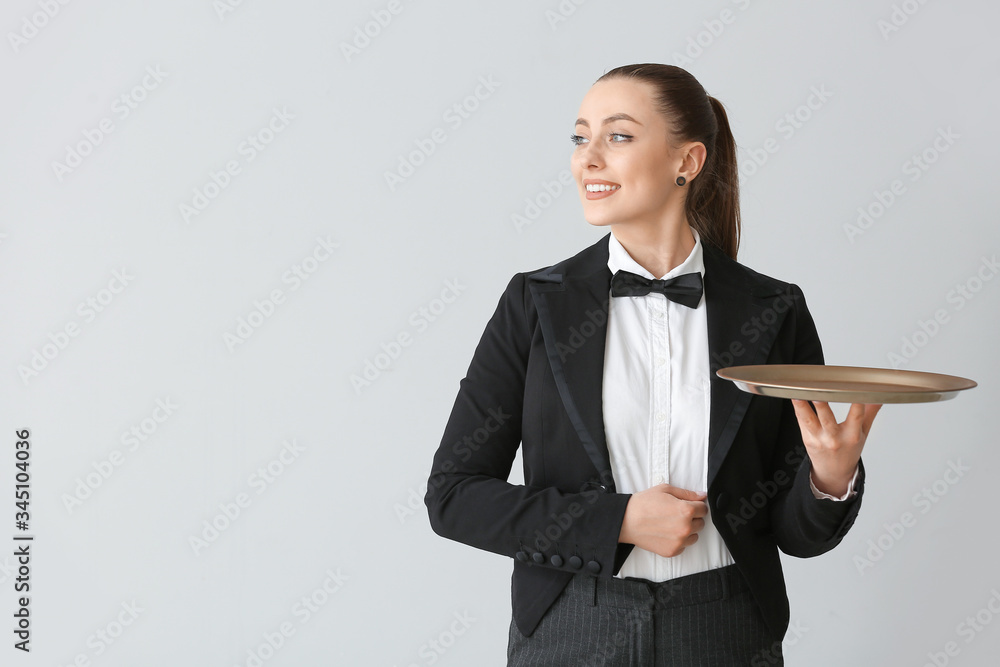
(707, 619)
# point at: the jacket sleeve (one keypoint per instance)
(802, 524)
(468, 498)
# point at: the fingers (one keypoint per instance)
(859, 417)
(853, 422)
(855, 415)
(683, 494)
(807, 419)
(827, 419)
(871, 409)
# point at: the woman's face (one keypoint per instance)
(623, 142)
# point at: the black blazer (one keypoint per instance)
(536, 381)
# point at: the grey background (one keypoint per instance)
(343, 504)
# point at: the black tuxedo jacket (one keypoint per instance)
(536, 379)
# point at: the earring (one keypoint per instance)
(681, 180)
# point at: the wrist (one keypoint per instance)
(834, 485)
(625, 532)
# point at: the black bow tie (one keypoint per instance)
(685, 289)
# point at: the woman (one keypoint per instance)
(656, 494)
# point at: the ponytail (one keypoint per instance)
(713, 205)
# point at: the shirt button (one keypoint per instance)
(660, 361)
(660, 416)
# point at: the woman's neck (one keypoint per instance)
(658, 249)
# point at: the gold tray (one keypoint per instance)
(845, 384)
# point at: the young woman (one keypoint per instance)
(656, 494)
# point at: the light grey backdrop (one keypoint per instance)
(202, 248)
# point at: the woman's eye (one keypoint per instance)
(577, 139)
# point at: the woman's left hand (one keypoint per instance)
(834, 449)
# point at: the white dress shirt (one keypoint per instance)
(656, 407)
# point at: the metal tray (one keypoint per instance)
(845, 384)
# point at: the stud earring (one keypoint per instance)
(681, 180)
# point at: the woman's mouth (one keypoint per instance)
(601, 190)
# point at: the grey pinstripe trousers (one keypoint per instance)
(706, 619)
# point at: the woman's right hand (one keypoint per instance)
(664, 519)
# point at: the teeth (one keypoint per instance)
(591, 187)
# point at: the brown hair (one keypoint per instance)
(713, 204)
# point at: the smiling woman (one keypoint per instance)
(675, 132)
(630, 539)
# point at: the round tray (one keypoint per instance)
(845, 384)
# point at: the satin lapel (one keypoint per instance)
(572, 303)
(745, 313)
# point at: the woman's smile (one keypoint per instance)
(598, 189)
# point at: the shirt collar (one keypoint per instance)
(619, 259)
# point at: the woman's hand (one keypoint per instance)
(834, 449)
(664, 519)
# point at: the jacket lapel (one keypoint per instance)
(745, 313)
(572, 300)
(572, 303)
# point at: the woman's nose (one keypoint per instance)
(589, 154)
